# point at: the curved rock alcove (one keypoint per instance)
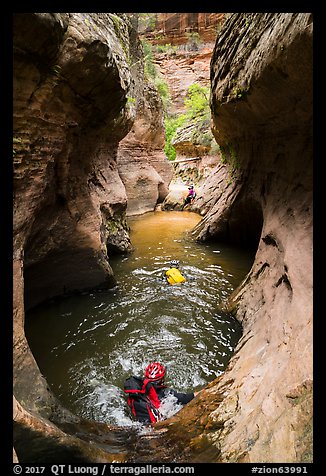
(260, 409)
(73, 78)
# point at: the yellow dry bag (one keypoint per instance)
(174, 276)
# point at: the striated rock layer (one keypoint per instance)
(142, 163)
(71, 79)
(75, 98)
(260, 409)
(176, 28)
(193, 37)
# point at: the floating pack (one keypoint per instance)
(174, 276)
(142, 391)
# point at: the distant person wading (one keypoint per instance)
(190, 197)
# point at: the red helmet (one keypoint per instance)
(155, 371)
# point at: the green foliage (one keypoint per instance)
(169, 49)
(149, 66)
(152, 75)
(164, 92)
(229, 156)
(56, 69)
(234, 158)
(218, 27)
(197, 109)
(130, 100)
(237, 91)
(206, 138)
(117, 22)
(171, 125)
(196, 101)
(193, 41)
(119, 28)
(16, 140)
(146, 21)
(215, 148)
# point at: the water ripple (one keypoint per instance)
(98, 339)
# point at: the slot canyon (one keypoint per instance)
(88, 153)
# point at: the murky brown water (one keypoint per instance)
(87, 345)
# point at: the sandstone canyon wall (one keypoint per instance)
(73, 131)
(260, 409)
(142, 163)
(176, 27)
(71, 79)
(191, 37)
(78, 87)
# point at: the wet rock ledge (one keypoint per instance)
(78, 91)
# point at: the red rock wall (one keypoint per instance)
(260, 409)
(71, 82)
(142, 163)
(174, 27)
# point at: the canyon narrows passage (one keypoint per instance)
(109, 111)
(95, 340)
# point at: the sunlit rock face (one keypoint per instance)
(177, 27)
(142, 163)
(143, 166)
(260, 409)
(191, 37)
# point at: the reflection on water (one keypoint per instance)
(87, 345)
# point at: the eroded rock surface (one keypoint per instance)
(69, 115)
(45, 443)
(176, 28)
(78, 90)
(261, 74)
(142, 163)
(72, 82)
(70, 204)
(191, 37)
